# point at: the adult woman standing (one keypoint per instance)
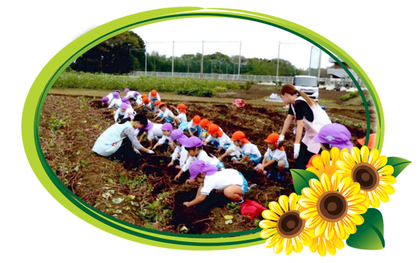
(120, 141)
(307, 114)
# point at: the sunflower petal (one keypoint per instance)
(313, 221)
(275, 207)
(366, 202)
(356, 199)
(330, 247)
(381, 195)
(314, 245)
(364, 154)
(321, 247)
(326, 158)
(308, 213)
(340, 231)
(326, 182)
(314, 170)
(374, 155)
(284, 202)
(267, 224)
(355, 218)
(351, 190)
(267, 214)
(329, 231)
(293, 199)
(305, 239)
(318, 163)
(388, 189)
(307, 203)
(389, 179)
(355, 152)
(316, 186)
(335, 181)
(349, 159)
(266, 233)
(341, 164)
(278, 247)
(344, 184)
(358, 208)
(387, 170)
(297, 247)
(344, 150)
(320, 229)
(271, 241)
(338, 243)
(335, 153)
(288, 246)
(381, 161)
(310, 194)
(349, 226)
(374, 201)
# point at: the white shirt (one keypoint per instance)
(183, 155)
(221, 180)
(276, 155)
(119, 111)
(249, 148)
(201, 156)
(131, 93)
(114, 102)
(221, 140)
(155, 133)
(182, 117)
(167, 113)
(158, 96)
(164, 139)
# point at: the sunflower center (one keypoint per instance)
(332, 206)
(366, 175)
(290, 224)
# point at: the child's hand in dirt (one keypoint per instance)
(187, 204)
(177, 177)
(170, 164)
(220, 158)
(178, 167)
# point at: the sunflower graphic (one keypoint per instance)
(372, 173)
(327, 162)
(332, 207)
(322, 245)
(283, 227)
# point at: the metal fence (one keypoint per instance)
(236, 77)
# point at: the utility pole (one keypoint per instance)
(172, 62)
(278, 59)
(201, 62)
(146, 43)
(239, 60)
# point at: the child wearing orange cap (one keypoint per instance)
(154, 96)
(165, 114)
(147, 104)
(156, 107)
(193, 127)
(181, 114)
(204, 125)
(275, 159)
(217, 137)
(370, 144)
(249, 151)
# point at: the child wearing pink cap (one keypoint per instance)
(180, 154)
(122, 112)
(153, 131)
(334, 135)
(112, 99)
(194, 147)
(231, 181)
(134, 95)
(166, 129)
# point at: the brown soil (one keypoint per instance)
(149, 196)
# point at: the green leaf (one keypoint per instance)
(398, 164)
(369, 235)
(121, 179)
(301, 179)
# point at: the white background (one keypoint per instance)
(36, 228)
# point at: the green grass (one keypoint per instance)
(182, 86)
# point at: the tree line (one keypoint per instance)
(125, 52)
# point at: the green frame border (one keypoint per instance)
(48, 75)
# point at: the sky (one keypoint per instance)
(257, 40)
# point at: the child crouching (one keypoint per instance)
(231, 181)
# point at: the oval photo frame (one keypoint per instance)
(48, 75)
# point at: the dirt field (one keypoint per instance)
(149, 196)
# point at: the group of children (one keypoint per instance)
(187, 139)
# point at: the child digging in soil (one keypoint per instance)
(231, 181)
(275, 159)
(194, 147)
(111, 99)
(220, 139)
(180, 153)
(122, 112)
(166, 129)
(165, 114)
(249, 151)
(181, 111)
(193, 127)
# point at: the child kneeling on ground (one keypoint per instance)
(249, 151)
(275, 159)
(231, 181)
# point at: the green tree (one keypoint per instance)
(119, 54)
